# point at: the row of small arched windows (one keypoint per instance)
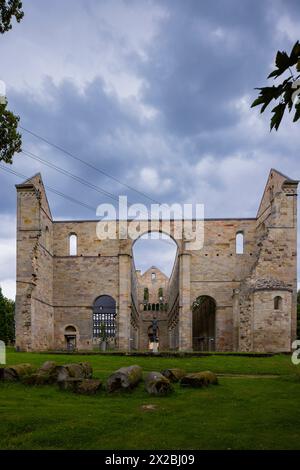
(239, 244)
(156, 307)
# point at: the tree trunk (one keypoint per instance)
(157, 384)
(125, 378)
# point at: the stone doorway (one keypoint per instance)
(70, 343)
(204, 324)
(70, 338)
(151, 338)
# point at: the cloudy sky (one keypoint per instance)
(155, 93)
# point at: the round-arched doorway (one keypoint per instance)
(70, 333)
(204, 324)
(104, 317)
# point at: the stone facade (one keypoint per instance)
(254, 292)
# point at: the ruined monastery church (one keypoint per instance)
(238, 293)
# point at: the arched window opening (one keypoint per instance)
(146, 294)
(73, 244)
(160, 294)
(239, 243)
(104, 317)
(47, 238)
(70, 329)
(278, 303)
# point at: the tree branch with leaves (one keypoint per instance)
(10, 139)
(287, 92)
(8, 10)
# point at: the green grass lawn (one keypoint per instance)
(253, 411)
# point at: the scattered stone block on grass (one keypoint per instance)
(88, 386)
(174, 375)
(16, 373)
(82, 370)
(157, 384)
(199, 379)
(81, 386)
(125, 378)
(69, 384)
(45, 375)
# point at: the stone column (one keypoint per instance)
(236, 319)
(185, 311)
(124, 309)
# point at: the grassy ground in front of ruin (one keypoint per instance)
(255, 406)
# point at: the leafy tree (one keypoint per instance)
(10, 139)
(288, 92)
(8, 10)
(7, 326)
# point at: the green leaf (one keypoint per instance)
(282, 63)
(267, 94)
(277, 116)
(282, 60)
(258, 101)
(295, 54)
(287, 95)
(273, 74)
(297, 113)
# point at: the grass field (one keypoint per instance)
(256, 406)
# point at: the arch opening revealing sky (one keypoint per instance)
(155, 249)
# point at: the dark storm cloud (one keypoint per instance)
(206, 55)
(91, 124)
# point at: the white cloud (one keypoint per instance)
(8, 287)
(151, 180)
(97, 40)
(289, 28)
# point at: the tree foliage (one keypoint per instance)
(287, 92)
(8, 10)
(7, 319)
(10, 139)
